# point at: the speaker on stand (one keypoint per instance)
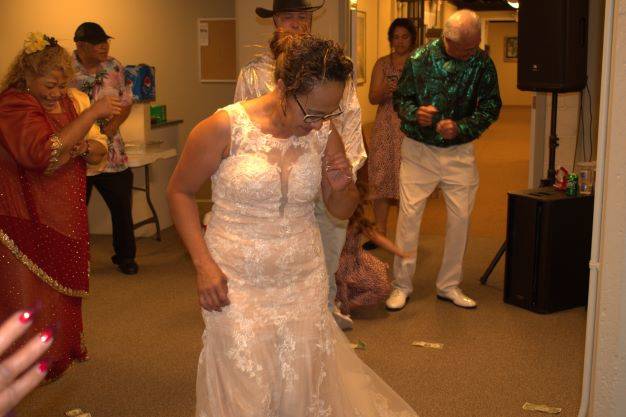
(552, 57)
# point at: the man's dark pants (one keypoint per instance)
(116, 190)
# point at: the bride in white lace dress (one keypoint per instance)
(271, 347)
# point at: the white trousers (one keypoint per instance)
(422, 169)
(333, 232)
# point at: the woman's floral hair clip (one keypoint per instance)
(37, 41)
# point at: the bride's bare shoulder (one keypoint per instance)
(215, 128)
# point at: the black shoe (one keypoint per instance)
(128, 267)
(369, 245)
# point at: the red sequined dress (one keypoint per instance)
(44, 238)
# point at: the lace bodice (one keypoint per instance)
(267, 177)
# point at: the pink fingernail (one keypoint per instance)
(26, 317)
(43, 366)
(46, 335)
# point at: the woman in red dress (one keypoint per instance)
(47, 136)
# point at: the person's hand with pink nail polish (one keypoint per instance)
(21, 372)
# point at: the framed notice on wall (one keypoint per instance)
(217, 48)
(510, 49)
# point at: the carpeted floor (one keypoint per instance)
(143, 332)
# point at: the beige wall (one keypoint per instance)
(609, 365)
(507, 71)
(448, 9)
(156, 32)
(379, 15)
(370, 7)
(386, 14)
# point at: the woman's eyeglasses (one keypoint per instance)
(314, 118)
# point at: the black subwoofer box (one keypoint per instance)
(548, 250)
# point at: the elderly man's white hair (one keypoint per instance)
(462, 24)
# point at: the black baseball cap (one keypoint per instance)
(90, 32)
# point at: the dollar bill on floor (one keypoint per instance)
(74, 413)
(430, 345)
(541, 408)
(359, 345)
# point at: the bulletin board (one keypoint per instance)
(217, 46)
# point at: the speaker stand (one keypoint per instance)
(492, 265)
(554, 142)
(546, 182)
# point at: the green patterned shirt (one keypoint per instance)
(464, 91)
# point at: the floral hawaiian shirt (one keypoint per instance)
(108, 80)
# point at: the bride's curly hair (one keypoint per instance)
(37, 64)
(304, 60)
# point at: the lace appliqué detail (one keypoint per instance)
(240, 352)
(286, 353)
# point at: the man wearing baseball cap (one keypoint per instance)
(91, 32)
(98, 75)
(257, 78)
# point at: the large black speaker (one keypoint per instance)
(548, 250)
(552, 45)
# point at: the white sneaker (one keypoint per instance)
(456, 296)
(343, 320)
(397, 300)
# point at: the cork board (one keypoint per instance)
(217, 44)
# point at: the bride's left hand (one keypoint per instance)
(337, 170)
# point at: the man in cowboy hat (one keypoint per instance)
(257, 78)
(288, 6)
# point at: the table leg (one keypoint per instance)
(155, 218)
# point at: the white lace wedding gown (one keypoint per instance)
(276, 351)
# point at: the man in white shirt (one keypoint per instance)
(257, 78)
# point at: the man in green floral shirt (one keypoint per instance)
(446, 98)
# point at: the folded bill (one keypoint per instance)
(74, 413)
(541, 407)
(431, 345)
(359, 345)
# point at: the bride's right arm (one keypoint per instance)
(207, 145)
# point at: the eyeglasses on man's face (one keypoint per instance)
(314, 118)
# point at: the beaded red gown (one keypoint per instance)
(44, 238)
